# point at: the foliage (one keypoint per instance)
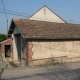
(3, 37)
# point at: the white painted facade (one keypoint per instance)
(15, 52)
(18, 43)
(15, 55)
(45, 14)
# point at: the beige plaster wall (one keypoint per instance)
(55, 50)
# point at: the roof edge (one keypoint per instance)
(17, 27)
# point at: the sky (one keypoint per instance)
(69, 10)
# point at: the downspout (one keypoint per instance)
(21, 51)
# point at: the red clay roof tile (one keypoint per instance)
(47, 30)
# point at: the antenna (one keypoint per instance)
(70, 21)
(44, 8)
(44, 2)
(7, 26)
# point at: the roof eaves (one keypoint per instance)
(10, 26)
(17, 27)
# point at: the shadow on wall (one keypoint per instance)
(17, 40)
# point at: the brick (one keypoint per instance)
(29, 52)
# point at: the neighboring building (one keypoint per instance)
(46, 14)
(44, 39)
(6, 48)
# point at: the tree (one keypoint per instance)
(3, 37)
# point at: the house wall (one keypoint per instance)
(19, 46)
(46, 15)
(15, 45)
(15, 53)
(24, 51)
(59, 51)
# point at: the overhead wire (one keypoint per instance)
(16, 14)
(10, 11)
(4, 10)
(27, 15)
(5, 15)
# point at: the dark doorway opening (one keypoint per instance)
(7, 51)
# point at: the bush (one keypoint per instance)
(3, 37)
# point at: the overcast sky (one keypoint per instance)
(69, 10)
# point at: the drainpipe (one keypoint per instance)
(21, 51)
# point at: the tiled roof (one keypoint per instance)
(32, 29)
(6, 40)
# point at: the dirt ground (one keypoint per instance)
(67, 71)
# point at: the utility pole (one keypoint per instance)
(21, 52)
(7, 26)
(5, 15)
